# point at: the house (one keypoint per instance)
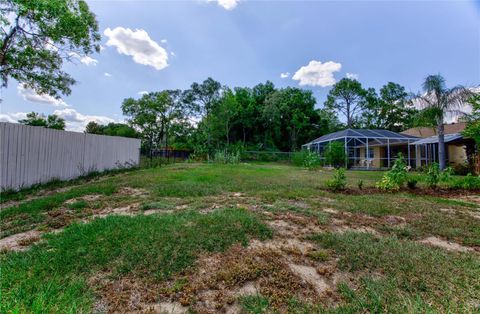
(377, 149)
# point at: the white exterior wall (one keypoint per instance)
(31, 155)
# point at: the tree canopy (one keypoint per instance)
(51, 121)
(38, 35)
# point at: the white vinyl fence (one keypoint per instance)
(31, 155)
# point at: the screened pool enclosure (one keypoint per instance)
(369, 149)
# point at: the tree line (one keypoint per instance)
(210, 116)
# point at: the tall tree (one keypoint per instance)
(224, 113)
(348, 98)
(38, 35)
(437, 101)
(202, 97)
(153, 114)
(52, 121)
(290, 113)
(391, 111)
(473, 120)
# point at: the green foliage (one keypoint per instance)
(413, 275)
(255, 304)
(473, 120)
(311, 160)
(112, 129)
(395, 178)
(434, 175)
(151, 247)
(338, 181)
(298, 158)
(334, 154)
(360, 184)
(348, 98)
(468, 182)
(437, 101)
(51, 122)
(390, 111)
(412, 183)
(226, 157)
(155, 115)
(38, 35)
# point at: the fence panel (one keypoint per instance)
(31, 155)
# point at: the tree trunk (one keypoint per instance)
(441, 145)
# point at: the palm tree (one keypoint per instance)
(438, 101)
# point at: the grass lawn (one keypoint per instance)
(251, 238)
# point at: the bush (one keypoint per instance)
(334, 154)
(412, 183)
(339, 180)
(435, 176)
(311, 160)
(307, 159)
(298, 158)
(224, 157)
(469, 182)
(463, 169)
(395, 178)
(360, 184)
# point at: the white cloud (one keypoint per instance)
(284, 75)
(352, 76)
(143, 92)
(163, 41)
(317, 73)
(30, 95)
(12, 117)
(137, 44)
(173, 54)
(107, 74)
(226, 4)
(88, 61)
(75, 121)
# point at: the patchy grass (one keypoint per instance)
(412, 277)
(200, 211)
(51, 277)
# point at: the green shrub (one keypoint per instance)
(469, 182)
(334, 154)
(225, 157)
(339, 180)
(434, 176)
(395, 178)
(311, 160)
(298, 158)
(412, 183)
(360, 184)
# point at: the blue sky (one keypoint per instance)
(154, 45)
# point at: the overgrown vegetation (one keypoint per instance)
(395, 178)
(53, 276)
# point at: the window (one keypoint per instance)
(371, 153)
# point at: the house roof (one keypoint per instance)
(434, 139)
(428, 131)
(362, 133)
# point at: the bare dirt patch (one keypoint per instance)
(447, 245)
(126, 190)
(128, 210)
(20, 241)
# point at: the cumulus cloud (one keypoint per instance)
(75, 121)
(226, 4)
(284, 75)
(352, 76)
(137, 44)
(30, 95)
(107, 74)
(316, 73)
(143, 92)
(88, 61)
(12, 117)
